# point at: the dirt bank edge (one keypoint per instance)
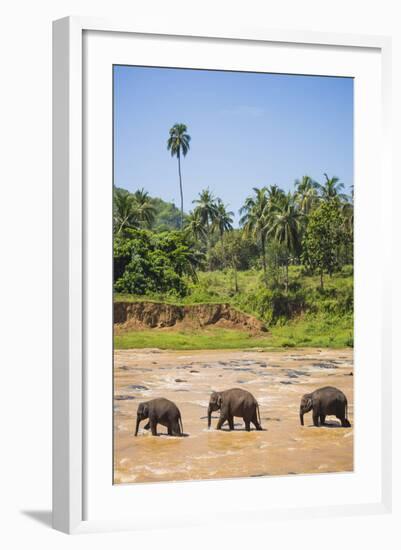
(141, 315)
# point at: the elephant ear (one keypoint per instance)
(219, 400)
(309, 403)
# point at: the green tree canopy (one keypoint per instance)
(146, 263)
(323, 238)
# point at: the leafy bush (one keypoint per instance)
(147, 263)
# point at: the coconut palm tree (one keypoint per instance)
(206, 207)
(207, 211)
(178, 144)
(223, 222)
(195, 227)
(255, 218)
(285, 226)
(124, 212)
(274, 194)
(144, 210)
(306, 194)
(331, 189)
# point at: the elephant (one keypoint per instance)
(160, 411)
(325, 401)
(234, 402)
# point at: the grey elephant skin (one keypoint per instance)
(231, 403)
(160, 411)
(323, 402)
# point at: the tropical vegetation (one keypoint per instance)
(288, 262)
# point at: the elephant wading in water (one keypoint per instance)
(160, 411)
(234, 402)
(323, 402)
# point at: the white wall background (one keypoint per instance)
(25, 179)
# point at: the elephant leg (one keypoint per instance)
(175, 428)
(224, 416)
(322, 419)
(147, 426)
(221, 421)
(315, 418)
(256, 423)
(247, 424)
(153, 426)
(231, 422)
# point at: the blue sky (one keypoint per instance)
(247, 129)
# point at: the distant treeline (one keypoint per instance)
(312, 227)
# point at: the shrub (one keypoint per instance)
(147, 263)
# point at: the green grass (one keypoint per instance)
(218, 287)
(212, 288)
(327, 320)
(214, 338)
(333, 333)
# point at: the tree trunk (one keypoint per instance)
(264, 257)
(286, 276)
(181, 193)
(208, 244)
(223, 252)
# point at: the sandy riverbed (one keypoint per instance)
(276, 379)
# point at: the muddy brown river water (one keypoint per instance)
(276, 379)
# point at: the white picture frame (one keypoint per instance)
(70, 287)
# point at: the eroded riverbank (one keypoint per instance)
(276, 379)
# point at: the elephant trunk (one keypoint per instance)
(137, 425)
(301, 418)
(209, 417)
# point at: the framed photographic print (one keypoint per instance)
(219, 326)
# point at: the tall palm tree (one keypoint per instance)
(285, 228)
(124, 213)
(144, 210)
(195, 227)
(306, 194)
(223, 221)
(331, 189)
(178, 144)
(206, 209)
(255, 218)
(206, 206)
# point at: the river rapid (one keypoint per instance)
(277, 379)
